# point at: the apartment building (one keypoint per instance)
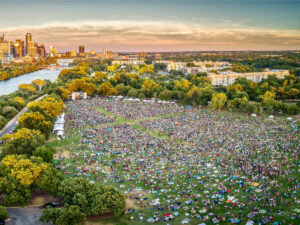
(228, 78)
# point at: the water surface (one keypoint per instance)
(11, 85)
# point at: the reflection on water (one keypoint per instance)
(11, 85)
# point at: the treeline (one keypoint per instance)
(17, 70)
(256, 61)
(193, 89)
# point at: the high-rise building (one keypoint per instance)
(19, 48)
(81, 49)
(5, 50)
(143, 54)
(41, 51)
(53, 51)
(32, 49)
(28, 44)
(73, 53)
(107, 54)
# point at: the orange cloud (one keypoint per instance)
(157, 36)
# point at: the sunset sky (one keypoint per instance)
(154, 25)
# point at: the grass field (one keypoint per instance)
(192, 188)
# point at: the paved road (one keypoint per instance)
(13, 122)
(25, 216)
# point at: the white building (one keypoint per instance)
(129, 61)
(228, 78)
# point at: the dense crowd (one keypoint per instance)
(137, 109)
(213, 168)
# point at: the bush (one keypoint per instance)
(292, 109)
(141, 96)
(165, 95)
(132, 93)
(9, 112)
(3, 213)
(2, 122)
(45, 153)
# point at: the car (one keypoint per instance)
(2, 222)
(52, 204)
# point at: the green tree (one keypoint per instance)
(3, 213)
(24, 141)
(132, 93)
(268, 99)
(165, 95)
(218, 101)
(45, 153)
(149, 87)
(50, 180)
(9, 112)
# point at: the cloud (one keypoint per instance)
(157, 36)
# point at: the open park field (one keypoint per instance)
(184, 165)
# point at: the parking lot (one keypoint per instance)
(25, 216)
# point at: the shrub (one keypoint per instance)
(3, 213)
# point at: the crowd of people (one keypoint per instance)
(137, 109)
(213, 168)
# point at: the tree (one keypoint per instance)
(91, 198)
(48, 106)
(149, 87)
(132, 93)
(218, 101)
(165, 95)
(24, 170)
(182, 85)
(107, 89)
(64, 93)
(45, 153)
(24, 141)
(146, 69)
(2, 121)
(19, 101)
(13, 192)
(253, 107)
(39, 83)
(3, 213)
(19, 175)
(193, 95)
(49, 214)
(141, 96)
(27, 87)
(35, 121)
(123, 90)
(50, 180)
(100, 77)
(68, 215)
(9, 112)
(268, 99)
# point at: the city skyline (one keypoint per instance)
(155, 26)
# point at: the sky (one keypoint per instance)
(154, 25)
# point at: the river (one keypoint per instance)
(11, 85)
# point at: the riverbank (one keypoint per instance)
(11, 85)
